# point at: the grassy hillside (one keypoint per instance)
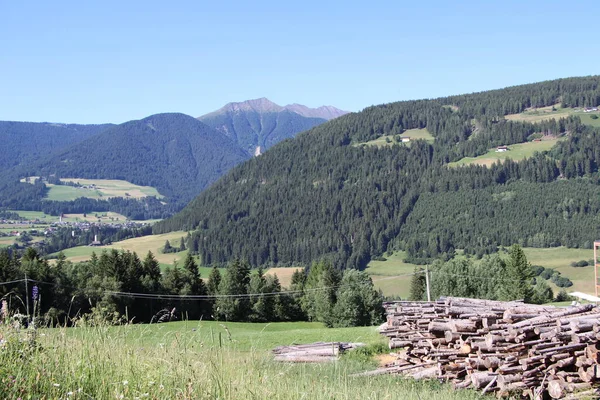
(554, 112)
(516, 152)
(140, 245)
(392, 276)
(200, 360)
(390, 140)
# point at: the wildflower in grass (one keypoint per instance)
(125, 383)
(56, 384)
(35, 293)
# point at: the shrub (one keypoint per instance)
(561, 281)
(579, 264)
(537, 270)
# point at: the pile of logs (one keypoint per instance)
(314, 352)
(503, 347)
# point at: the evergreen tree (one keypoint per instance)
(167, 247)
(518, 276)
(320, 292)
(181, 245)
(235, 282)
(214, 280)
(417, 285)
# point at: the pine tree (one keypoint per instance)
(181, 245)
(167, 247)
(417, 285)
(214, 279)
(235, 282)
(517, 284)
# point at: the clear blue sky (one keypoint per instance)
(109, 61)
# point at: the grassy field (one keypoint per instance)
(516, 152)
(560, 259)
(390, 140)
(104, 188)
(33, 215)
(283, 274)
(195, 360)
(139, 245)
(546, 113)
(392, 276)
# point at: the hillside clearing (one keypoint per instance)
(390, 140)
(140, 245)
(554, 112)
(516, 152)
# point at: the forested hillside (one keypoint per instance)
(24, 142)
(175, 153)
(261, 123)
(320, 195)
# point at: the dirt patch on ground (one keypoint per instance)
(384, 359)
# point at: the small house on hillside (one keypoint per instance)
(590, 109)
(404, 139)
(501, 149)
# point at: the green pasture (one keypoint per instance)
(390, 140)
(198, 360)
(554, 112)
(516, 152)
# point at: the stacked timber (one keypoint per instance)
(314, 352)
(503, 347)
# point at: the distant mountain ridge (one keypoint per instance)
(24, 142)
(258, 124)
(175, 153)
(264, 105)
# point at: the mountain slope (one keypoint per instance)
(23, 142)
(322, 194)
(175, 153)
(261, 123)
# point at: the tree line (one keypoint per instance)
(118, 283)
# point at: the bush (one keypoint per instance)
(580, 264)
(547, 273)
(563, 296)
(593, 116)
(537, 270)
(561, 281)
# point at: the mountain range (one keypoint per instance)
(177, 154)
(351, 189)
(258, 124)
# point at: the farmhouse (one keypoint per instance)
(501, 149)
(590, 109)
(404, 139)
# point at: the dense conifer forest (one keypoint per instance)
(322, 194)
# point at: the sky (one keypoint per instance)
(109, 61)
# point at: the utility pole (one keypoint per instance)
(427, 282)
(27, 295)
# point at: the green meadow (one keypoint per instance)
(516, 152)
(390, 275)
(195, 360)
(390, 140)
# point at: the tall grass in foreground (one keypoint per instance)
(103, 362)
